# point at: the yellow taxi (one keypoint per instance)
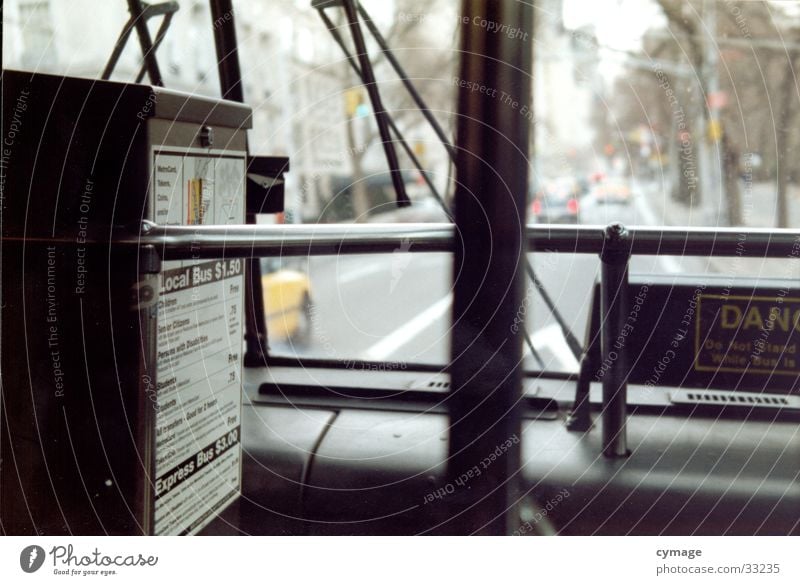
(287, 300)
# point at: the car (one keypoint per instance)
(609, 201)
(287, 301)
(611, 191)
(557, 202)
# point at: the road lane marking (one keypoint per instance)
(551, 338)
(360, 272)
(421, 261)
(408, 331)
(668, 263)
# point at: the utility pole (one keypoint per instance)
(784, 116)
(714, 191)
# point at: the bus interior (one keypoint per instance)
(170, 318)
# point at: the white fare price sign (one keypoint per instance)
(199, 348)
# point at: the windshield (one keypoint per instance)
(648, 112)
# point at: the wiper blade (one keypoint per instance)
(392, 125)
(141, 12)
(368, 79)
(574, 345)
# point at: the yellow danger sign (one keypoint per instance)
(748, 334)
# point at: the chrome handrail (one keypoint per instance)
(199, 242)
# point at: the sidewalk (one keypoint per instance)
(758, 211)
(758, 201)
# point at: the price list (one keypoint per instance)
(199, 347)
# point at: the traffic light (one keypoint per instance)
(353, 101)
(714, 131)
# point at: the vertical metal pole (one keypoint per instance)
(4, 459)
(580, 416)
(614, 311)
(230, 81)
(489, 256)
(146, 298)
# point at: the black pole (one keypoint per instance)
(614, 311)
(489, 255)
(375, 98)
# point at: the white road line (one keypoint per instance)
(406, 332)
(550, 337)
(668, 263)
(360, 272)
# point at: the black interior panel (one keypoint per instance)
(367, 471)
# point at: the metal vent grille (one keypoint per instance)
(747, 399)
(441, 383)
(438, 382)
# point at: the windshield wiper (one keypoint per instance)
(332, 28)
(366, 75)
(141, 12)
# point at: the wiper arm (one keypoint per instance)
(574, 345)
(572, 342)
(141, 12)
(412, 91)
(392, 125)
(529, 343)
(368, 78)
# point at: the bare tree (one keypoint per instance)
(760, 78)
(683, 17)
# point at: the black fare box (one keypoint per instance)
(121, 376)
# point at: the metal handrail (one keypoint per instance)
(207, 242)
(614, 244)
